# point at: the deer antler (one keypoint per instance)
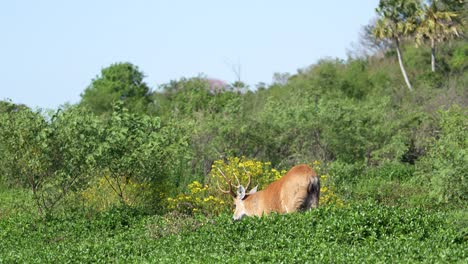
(231, 192)
(229, 181)
(250, 178)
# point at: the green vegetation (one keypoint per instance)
(119, 82)
(130, 174)
(363, 232)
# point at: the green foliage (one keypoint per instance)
(52, 157)
(118, 82)
(101, 194)
(22, 132)
(391, 171)
(140, 149)
(97, 174)
(175, 223)
(198, 200)
(389, 183)
(336, 78)
(459, 61)
(209, 200)
(183, 97)
(358, 233)
(128, 147)
(445, 166)
(398, 19)
(355, 79)
(61, 156)
(345, 174)
(438, 24)
(361, 131)
(16, 202)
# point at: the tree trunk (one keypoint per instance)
(433, 62)
(402, 67)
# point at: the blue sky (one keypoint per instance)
(51, 50)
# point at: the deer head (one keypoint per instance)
(239, 196)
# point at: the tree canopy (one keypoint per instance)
(118, 82)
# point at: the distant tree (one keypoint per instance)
(397, 19)
(261, 86)
(239, 86)
(368, 44)
(182, 97)
(437, 25)
(7, 106)
(281, 78)
(458, 6)
(118, 82)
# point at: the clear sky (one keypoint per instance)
(50, 50)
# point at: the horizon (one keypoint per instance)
(52, 50)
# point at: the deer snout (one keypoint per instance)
(238, 217)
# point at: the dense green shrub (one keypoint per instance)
(50, 157)
(391, 171)
(366, 130)
(354, 114)
(389, 183)
(62, 155)
(119, 82)
(22, 133)
(357, 233)
(459, 61)
(345, 174)
(141, 149)
(445, 166)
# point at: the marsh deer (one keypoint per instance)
(298, 189)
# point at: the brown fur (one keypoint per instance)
(299, 189)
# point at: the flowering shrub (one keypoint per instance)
(101, 195)
(197, 201)
(261, 173)
(209, 200)
(328, 195)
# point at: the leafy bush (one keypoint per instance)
(119, 82)
(242, 169)
(367, 130)
(175, 223)
(100, 196)
(345, 174)
(328, 195)
(197, 201)
(58, 157)
(140, 149)
(365, 233)
(52, 158)
(387, 183)
(392, 171)
(445, 166)
(460, 57)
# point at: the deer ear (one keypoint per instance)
(253, 190)
(241, 192)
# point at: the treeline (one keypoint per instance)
(373, 137)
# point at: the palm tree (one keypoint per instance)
(436, 25)
(398, 19)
